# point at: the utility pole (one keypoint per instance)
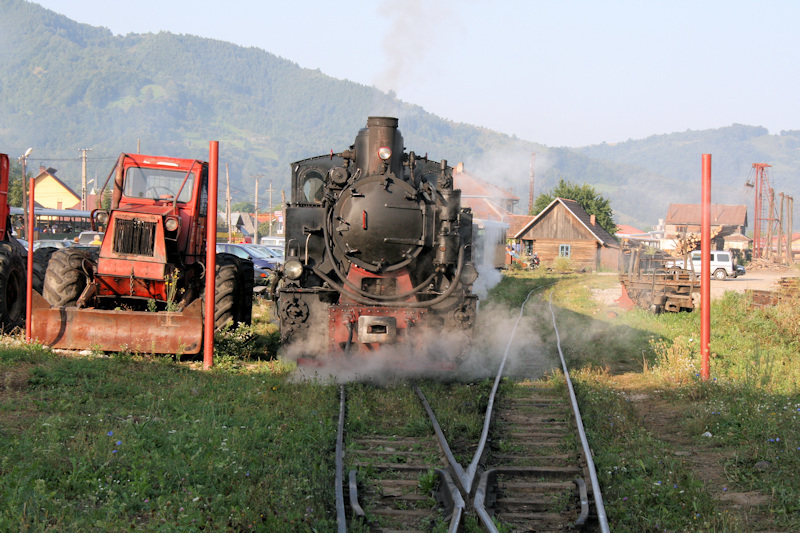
(530, 186)
(283, 211)
(270, 207)
(790, 213)
(255, 232)
(228, 202)
(24, 160)
(780, 229)
(83, 177)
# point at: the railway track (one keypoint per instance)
(535, 468)
(531, 469)
(394, 475)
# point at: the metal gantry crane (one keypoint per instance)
(765, 222)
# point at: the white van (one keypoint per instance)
(273, 241)
(722, 265)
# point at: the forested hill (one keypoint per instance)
(66, 85)
(733, 151)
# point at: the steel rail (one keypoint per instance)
(598, 496)
(480, 495)
(452, 492)
(451, 460)
(473, 467)
(341, 519)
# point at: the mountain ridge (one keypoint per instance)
(65, 85)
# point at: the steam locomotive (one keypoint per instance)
(378, 256)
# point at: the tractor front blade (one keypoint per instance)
(71, 328)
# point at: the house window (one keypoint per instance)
(563, 250)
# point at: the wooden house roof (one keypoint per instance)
(721, 214)
(597, 231)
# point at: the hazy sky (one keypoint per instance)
(557, 72)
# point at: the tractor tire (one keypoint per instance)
(233, 291)
(245, 296)
(41, 259)
(66, 276)
(12, 288)
(226, 285)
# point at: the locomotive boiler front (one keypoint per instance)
(379, 224)
(378, 248)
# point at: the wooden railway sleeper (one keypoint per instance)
(447, 496)
(486, 498)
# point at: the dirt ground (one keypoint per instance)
(761, 279)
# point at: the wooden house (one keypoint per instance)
(52, 193)
(565, 229)
(685, 219)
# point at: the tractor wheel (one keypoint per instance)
(245, 296)
(41, 258)
(66, 276)
(226, 286)
(12, 288)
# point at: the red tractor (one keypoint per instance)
(12, 262)
(142, 288)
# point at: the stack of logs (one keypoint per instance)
(788, 290)
(691, 242)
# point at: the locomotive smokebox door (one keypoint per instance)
(379, 224)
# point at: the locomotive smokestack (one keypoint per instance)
(383, 133)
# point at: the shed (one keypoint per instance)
(565, 229)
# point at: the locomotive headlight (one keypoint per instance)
(171, 224)
(293, 269)
(384, 152)
(101, 217)
(469, 274)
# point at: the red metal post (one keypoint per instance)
(29, 281)
(705, 270)
(211, 254)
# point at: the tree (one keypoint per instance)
(243, 207)
(591, 202)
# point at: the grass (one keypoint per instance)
(646, 411)
(136, 442)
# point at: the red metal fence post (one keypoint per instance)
(705, 270)
(211, 254)
(29, 280)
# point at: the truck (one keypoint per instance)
(143, 287)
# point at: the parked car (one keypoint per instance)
(52, 243)
(264, 265)
(273, 251)
(91, 238)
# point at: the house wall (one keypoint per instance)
(559, 227)
(52, 195)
